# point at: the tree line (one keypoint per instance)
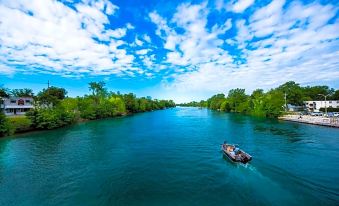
(53, 109)
(267, 104)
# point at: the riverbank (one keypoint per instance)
(21, 124)
(315, 120)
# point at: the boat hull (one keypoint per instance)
(245, 158)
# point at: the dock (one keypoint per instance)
(315, 120)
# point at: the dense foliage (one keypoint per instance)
(5, 126)
(22, 92)
(51, 96)
(53, 109)
(269, 104)
(50, 118)
(20, 124)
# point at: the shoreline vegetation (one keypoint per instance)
(53, 109)
(265, 104)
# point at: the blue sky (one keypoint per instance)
(180, 50)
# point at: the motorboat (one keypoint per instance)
(235, 154)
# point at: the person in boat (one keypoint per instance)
(232, 153)
(230, 150)
(237, 151)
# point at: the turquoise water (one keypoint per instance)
(172, 157)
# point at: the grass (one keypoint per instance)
(20, 124)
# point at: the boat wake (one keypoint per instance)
(251, 168)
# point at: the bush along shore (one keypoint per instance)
(266, 104)
(53, 109)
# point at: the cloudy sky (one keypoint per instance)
(182, 50)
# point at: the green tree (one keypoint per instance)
(273, 103)
(335, 95)
(312, 93)
(238, 100)
(257, 103)
(131, 102)
(87, 108)
(293, 91)
(70, 104)
(50, 118)
(4, 92)
(51, 96)
(143, 104)
(215, 101)
(97, 88)
(225, 106)
(118, 105)
(22, 92)
(5, 126)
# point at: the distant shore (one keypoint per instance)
(315, 120)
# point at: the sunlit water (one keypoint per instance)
(172, 157)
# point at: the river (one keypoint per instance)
(172, 157)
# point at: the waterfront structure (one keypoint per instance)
(16, 105)
(294, 108)
(316, 120)
(314, 106)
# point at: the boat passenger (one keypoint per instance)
(237, 151)
(232, 153)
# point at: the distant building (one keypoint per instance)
(16, 105)
(294, 108)
(314, 106)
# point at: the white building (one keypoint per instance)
(314, 106)
(16, 105)
(294, 108)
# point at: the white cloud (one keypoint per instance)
(6, 70)
(49, 37)
(265, 20)
(142, 51)
(117, 33)
(141, 40)
(298, 43)
(147, 38)
(161, 23)
(196, 45)
(129, 26)
(241, 5)
(138, 41)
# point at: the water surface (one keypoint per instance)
(172, 157)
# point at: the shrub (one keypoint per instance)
(5, 126)
(20, 123)
(50, 118)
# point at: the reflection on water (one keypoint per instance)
(292, 135)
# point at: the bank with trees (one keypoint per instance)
(53, 109)
(265, 104)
